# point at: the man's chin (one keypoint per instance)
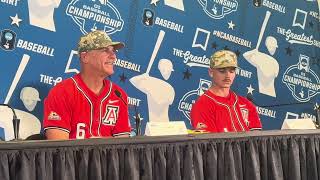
(109, 72)
(226, 86)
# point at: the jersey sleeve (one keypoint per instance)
(122, 126)
(254, 119)
(57, 110)
(201, 118)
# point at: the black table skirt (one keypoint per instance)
(265, 155)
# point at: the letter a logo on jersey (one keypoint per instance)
(245, 115)
(111, 115)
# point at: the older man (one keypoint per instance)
(88, 105)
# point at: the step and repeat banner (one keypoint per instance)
(164, 66)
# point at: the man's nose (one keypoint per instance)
(113, 56)
(229, 74)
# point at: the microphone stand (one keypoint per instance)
(137, 115)
(138, 121)
(318, 116)
(15, 122)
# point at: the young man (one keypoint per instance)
(88, 105)
(219, 109)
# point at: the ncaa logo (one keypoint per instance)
(91, 15)
(148, 17)
(217, 9)
(301, 80)
(8, 40)
(257, 3)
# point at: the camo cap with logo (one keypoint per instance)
(223, 58)
(97, 40)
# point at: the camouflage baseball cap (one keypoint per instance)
(97, 40)
(223, 58)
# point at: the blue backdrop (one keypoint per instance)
(277, 43)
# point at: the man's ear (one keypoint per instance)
(83, 56)
(210, 72)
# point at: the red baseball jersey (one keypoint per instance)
(72, 107)
(224, 114)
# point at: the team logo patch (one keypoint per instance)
(54, 116)
(111, 115)
(245, 115)
(201, 125)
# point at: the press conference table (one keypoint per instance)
(261, 155)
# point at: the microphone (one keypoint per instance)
(137, 116)
(15, 122)
(119, 95)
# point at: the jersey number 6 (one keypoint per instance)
(81, 133)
